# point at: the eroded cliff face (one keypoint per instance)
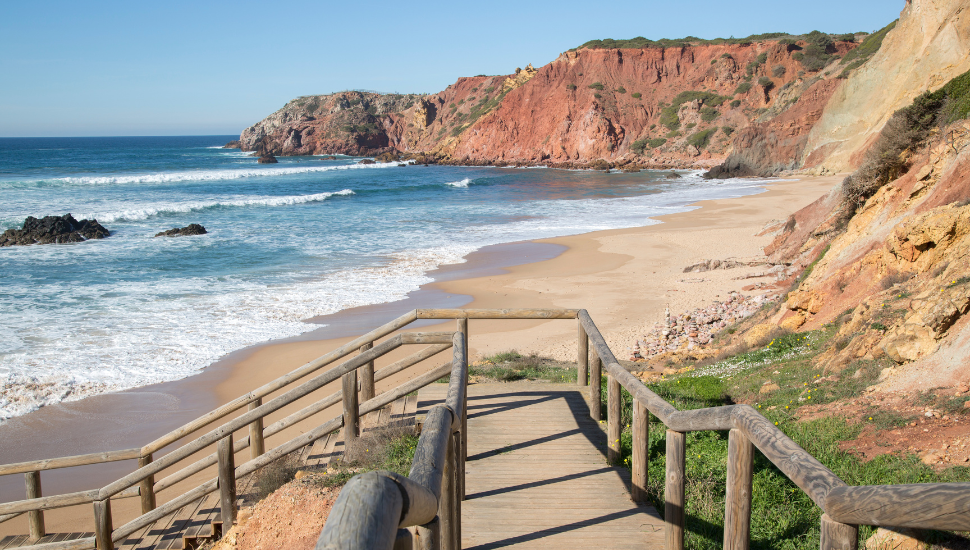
(653, 106)
(897, 277)
(928, 47)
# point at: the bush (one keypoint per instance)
(275, 475)
(570, 87)
(778, 71)
(596, 86)
(905, 131)
(621, 90)
(742, 88)
(690, 125)
(869, 46)
(652, 126)
(668, 114)
(728, 130)
(701, 139)
(766, 83)
(656, 142)
(597, 96)
(708, 114)
(636, 95)
(735, 104)
(673, 134)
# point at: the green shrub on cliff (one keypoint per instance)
(708, 114)
(869, 46)
(656, 142)
(635, 95)
(702, 138)
(570, 87)
(728, 130)
(640, 145)
(778, 71)
(742, 88)
(765, 83)
(596, 86)
(621, 90)
(904, 133)
(735, 104)
(669, 116)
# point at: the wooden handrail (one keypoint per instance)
(68, 461)
(438, 469)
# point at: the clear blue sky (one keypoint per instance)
(71, 68)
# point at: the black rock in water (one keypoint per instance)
(53, 229)
(188, 230)
(232, 145)
(267, 159)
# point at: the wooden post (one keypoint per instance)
(367, 376)
(102, 524)
(227, 483)
(641, 451)
(674, 491)
(463, 328)
(147, 486)
(256, 444)
(35, 517)
(737, 502)
(459, 490)
(447, 502)
(428, 536)
(595, 387)
(614, 426)
(838, 536)
(582, 356)
(351, 409)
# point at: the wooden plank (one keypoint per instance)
(582, 356)
(516, 313)
(366, 373)
(614, 405)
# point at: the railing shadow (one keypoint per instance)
(543, 533)
(533, 484)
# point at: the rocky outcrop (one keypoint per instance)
(267, 159)
(927, 48)
(53, 229)
(187, 231)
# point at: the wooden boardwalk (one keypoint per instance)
(537, 477)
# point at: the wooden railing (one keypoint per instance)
(357, 374)
(375, 510)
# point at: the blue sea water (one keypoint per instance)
(286, 242)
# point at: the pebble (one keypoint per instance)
(695, 328)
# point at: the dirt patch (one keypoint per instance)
(899, 424)
(291, 517)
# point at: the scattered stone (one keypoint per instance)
(187, 231)
(687, 332)
(53, 230)
(367, 161)
(895, 538)
(267, 159)
(768, 388)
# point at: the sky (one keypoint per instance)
(198, 67)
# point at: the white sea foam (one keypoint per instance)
(463, 183)
(137, 214)
(200, 175)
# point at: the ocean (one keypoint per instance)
(286, 242)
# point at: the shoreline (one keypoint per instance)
(623, 277)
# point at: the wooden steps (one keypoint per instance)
(537, 477)
(200, 521)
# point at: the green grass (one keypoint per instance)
(511, 366)
(782, 515)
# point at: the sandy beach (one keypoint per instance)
(624, 278)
